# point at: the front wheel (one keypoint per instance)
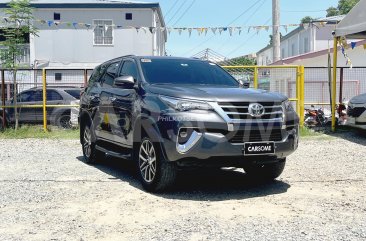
(156, 174)
(268, 171)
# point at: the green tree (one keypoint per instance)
(307, 19)
(245, 61)
(332, 11)
(19, 18)
(344, 6)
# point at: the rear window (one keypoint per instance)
(185, 71)
(74, 93)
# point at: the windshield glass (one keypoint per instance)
(185, 71)
(74, 93)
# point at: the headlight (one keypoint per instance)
(288, 106)
(186, 105)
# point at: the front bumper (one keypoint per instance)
(212, 140)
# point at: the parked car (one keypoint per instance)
(168, 113)
(59, 116)
(356, 112)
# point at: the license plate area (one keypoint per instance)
(259, 148)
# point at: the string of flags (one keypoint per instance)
(200, 30)
(344, 46)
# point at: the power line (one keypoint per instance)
(184, 13)
(245, 23)
(171, 8)
(245, 11)
(241, 45)
(303, 11)
(176, 12)
(207, 40)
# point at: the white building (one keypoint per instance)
(64, 44)
(302, 40)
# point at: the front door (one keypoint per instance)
(122, 103)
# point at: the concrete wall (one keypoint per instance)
(65, 45)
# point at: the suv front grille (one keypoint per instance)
(255, 136)
(355, 112)
(239, 110)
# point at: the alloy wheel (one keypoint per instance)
(87, 142)
(147, 161)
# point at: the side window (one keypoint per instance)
(97, 73)
(129, 68)
(27, 96)
(52, 95)
(110, 75)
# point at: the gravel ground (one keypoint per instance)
(48, 193)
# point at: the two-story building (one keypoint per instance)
(304, 39)
(84, 33)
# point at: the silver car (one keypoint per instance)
(356, 112)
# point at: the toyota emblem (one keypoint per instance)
(256, 110)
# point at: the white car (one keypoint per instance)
(356, 112)
(74, 114)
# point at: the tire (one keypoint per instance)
(64, 122)
(91, 154)
(155, 173)
(268, 171)
(1, 124)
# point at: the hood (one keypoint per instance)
(215, 93)
(360, 99)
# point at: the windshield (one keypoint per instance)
(185, 71)
(74, 93)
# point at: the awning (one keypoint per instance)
(353, 26)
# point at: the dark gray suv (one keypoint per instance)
(168, 113)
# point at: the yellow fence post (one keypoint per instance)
(302, 96)
(298, 89)
(255, 79)
(334, 83)
(44, 100)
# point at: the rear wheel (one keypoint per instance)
(64, 122)
(91, 154)
(156, 174)
(268, 171)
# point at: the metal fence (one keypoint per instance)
(38, 79)
(303, 86)
(287, 80)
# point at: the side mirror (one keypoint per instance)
(126, 82)
(244, 84)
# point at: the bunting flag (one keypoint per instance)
(353, 45)
(232, 30)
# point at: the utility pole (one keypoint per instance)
(276, 40)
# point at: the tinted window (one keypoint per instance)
(53, 95)
(97, 73)
(110, 74)
(27, 96)
(129, 68)
(182, 71)
(74, 93)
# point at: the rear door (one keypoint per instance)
(104, 126)
(27, 115)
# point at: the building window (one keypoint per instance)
(103, 32)
(282, 53)
(56, 16)
(128, 16)
(58, 76)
